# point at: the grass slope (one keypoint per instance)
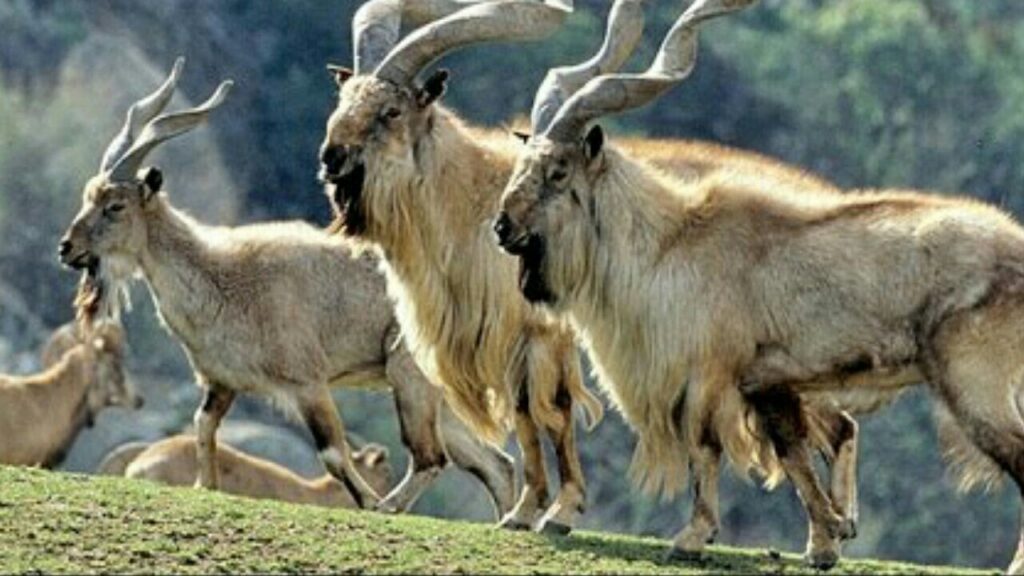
(67, 523)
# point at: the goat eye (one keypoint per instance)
(391, 113)
(559, 175)
(113, 208)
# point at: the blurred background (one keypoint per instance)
(922, 94)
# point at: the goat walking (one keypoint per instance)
(281, 310)
(409, 179)
(699, 300)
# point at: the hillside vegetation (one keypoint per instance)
(68, 523)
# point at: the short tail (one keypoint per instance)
(116, 462)
(969, 465)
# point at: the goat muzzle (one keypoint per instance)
(509, 237)
(77, 260)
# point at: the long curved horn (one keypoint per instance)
(164, 128)
(618, 92)
(624, 29)
(140, 114)
(378, 23)
(501, 20)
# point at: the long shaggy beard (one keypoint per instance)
(103, 290)
(346, 197)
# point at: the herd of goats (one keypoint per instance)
(730, 304)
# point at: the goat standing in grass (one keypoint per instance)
(281, 310)
(408, 178)
(41, 414)
(700, 299)
(833, 431)
(173, 461)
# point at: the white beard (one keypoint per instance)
(113, 276)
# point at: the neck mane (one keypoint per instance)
(177, 266)
(456, 297)
(620, 286)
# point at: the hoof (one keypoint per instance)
(677, 554)
(554, 527)
(823, 559)
(847, 529)
(774, 554)
(385, 507)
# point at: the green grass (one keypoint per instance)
(67, 523)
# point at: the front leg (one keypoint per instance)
(572, 494)
(704, 522)
(534, 498)
(781, 418)
(217, 401)
(418, 404)
(841, 431)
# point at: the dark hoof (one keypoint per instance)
(680, 555)
(552, 527)
(774, 554)
(824, 560)
(847, 530)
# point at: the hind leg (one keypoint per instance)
(321, 416)
(783, 422)
(490, 465)
(973, 362)
(418, 404)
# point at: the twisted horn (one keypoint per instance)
(139, 115)
(378, 23)
(501, 20)
(618, 92)
(164, 128)
(624, 29)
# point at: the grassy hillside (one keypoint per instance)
(66, 523)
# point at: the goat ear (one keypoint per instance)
(433, 88)
(339, 73)
(152, 182)
(523, 137)
(593, 142)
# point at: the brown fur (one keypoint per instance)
(431, 186)
(41, 414)
(822, 280)
(172, 461)
(283, 311)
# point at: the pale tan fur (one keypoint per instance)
(41, 414)
(172, 461)
(284, 311)
(117, 460)
(431, 187)
(676, 287)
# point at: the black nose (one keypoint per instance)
(64, 248)
(503, 228)
(333, 158)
